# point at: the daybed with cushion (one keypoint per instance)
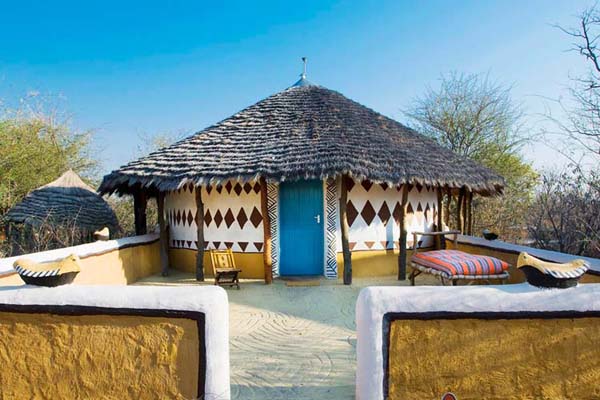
(455, 265)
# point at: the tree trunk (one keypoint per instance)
(200, 233)
(345, 230)
(140, 202)
(163, 235)
(402, 240)
(267, 261)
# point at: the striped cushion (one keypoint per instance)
(453, 262)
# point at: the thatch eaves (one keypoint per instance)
(67, 200)
(303, 132)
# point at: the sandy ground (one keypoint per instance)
(291, 342)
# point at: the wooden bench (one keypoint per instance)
(420, 266)
(224, 268)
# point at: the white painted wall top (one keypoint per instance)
(82, 250)
(374, 302)
(210, 300)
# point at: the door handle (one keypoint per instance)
(318, 218)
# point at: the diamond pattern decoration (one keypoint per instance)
(228, 186)
(256, 188)
(368, 213)
(351, 213)
(207, 218)
(384, 186)
(208, 189)
(218, 218)
(384, 213)
(247, 187)
(229, 218)
(178, 217)
(219, 189)
(190, 217)
(238, 188)
(255, 217)
(366, 185)
(242, 218)
(349, 184)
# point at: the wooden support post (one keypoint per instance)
(439, 240)
(264, 209)
(447, 206)
(140, 202)
(402, 240)
(163, 235)
(470, 214)
(345, 230)
(460, 223)
(464, 212)
(200, 233)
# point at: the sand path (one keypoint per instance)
(292, 342)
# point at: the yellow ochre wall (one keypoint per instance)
(184, 260)
(46, 356)
(373, 263)
(495, 359)
(116, 267)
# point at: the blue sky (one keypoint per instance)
(128, 69)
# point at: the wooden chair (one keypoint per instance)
(224, 269)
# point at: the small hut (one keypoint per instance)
(66, 204)
(304, 182)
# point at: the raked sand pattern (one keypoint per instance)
(291, 343)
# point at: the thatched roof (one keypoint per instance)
(303, 132)
(64, 201)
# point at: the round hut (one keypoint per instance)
(66, 204)
(304, 182)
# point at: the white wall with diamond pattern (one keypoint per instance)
(232, 217)
(374, 211)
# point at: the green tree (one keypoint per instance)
(477, 118)
(35, 150)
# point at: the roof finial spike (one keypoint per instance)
(304, 60)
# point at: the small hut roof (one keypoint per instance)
(64, 200)
(303, 132)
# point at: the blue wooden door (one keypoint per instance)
(301, 228)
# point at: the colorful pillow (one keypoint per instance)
(452, 263)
